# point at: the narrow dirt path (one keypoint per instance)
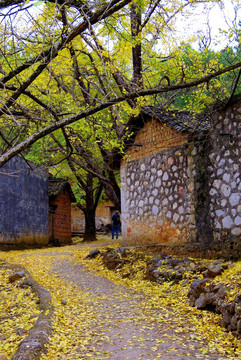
(124, 326)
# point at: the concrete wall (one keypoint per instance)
(23, 203)
(78, 220)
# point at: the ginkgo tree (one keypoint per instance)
(76, 156)
(118, 38)
(77, 67)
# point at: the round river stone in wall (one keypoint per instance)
(225, 190)
(155, 192)
(234, 199)
(155, 209)
(158, 183)
(227, 222)
(141, 203)
(153, 162)
(143, 167)
(165, 176)
(226, 177)
(220, 213)
(217, 183)
(237, 221)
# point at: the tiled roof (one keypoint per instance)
(57, 185)
(181, 121)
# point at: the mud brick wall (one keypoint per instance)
(23, 203)
(154, 137)
(155, 179)
(62, 217)
(103, 216)
(78, 220)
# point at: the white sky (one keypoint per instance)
(207, 12)
(216, 18)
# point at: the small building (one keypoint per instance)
(103, 217)
(23, 203)
(60, 199)
(180, 180)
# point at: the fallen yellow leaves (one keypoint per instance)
(78, 327)
(173, 298)
(18, 312)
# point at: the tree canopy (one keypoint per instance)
(93, 64)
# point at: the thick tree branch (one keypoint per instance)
(32, 97)
(70, 120)
(6, 3)
(78, 78)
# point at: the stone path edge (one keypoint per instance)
(34, 345)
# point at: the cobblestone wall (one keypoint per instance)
(225, 174)
(186, 193)
(155, 198)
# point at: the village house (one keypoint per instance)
(103, 217)
(181, 181)
(34, 210)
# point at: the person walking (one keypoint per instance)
(115, 224)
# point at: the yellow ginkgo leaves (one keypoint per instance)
(92, 317)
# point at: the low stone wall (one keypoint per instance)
(231, 249)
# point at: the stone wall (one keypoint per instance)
(23, 203)
(202, 231)
(184, 194)
(225, 174)
(156, 202)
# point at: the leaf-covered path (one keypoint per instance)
(125, 327)
(97, 316)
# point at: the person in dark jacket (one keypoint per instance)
(115, 224)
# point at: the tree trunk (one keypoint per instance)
(136, 50)
(112, 195)
(90, 230)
